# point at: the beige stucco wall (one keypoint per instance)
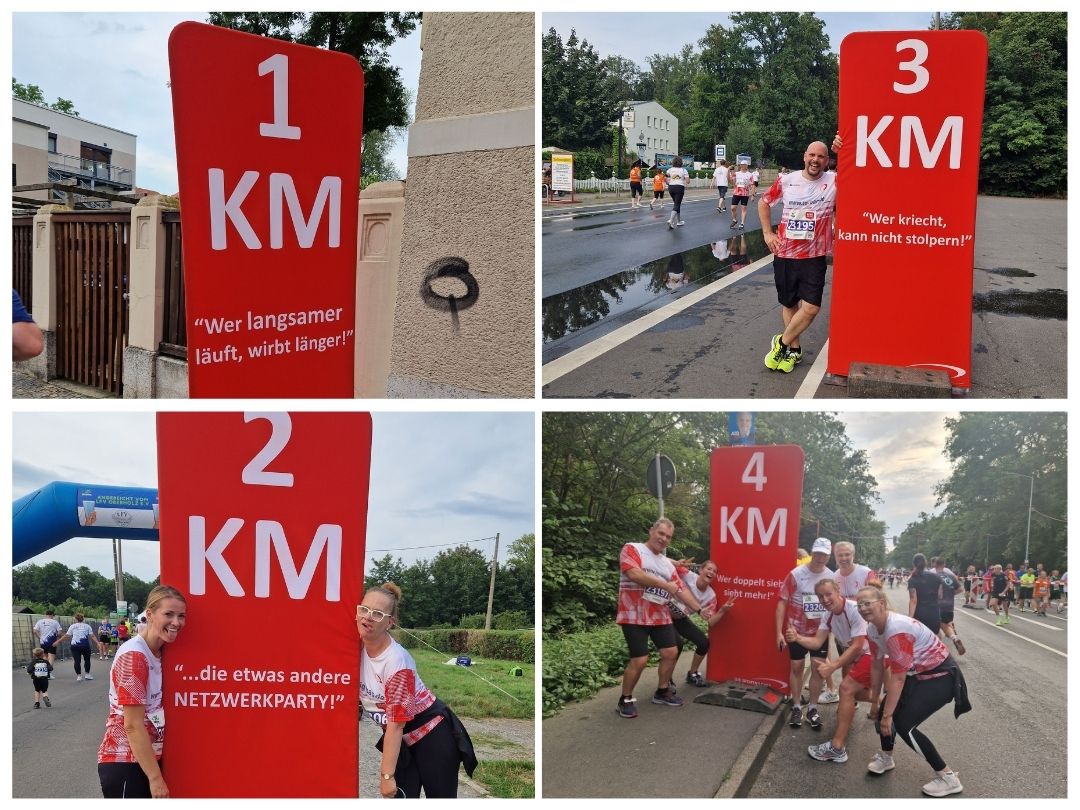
(31, 166)
(470, 197)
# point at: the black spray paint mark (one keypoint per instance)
(450, 267)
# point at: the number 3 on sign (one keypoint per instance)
(255, 472)
(754, 473)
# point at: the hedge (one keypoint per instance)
(577, 666)
(508, 645)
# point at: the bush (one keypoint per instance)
(510, 620)
(509, 645)
(577, 666)
(474, 621)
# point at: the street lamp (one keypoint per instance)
(1031, 496)
(640, 144)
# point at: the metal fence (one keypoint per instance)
(92, 259)
(174, 316)
(22, 259)
(616, 185)
(23, 641)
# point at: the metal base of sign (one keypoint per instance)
(736, 695)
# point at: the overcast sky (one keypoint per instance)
(637, 36)
(436, 478)
(114, 67)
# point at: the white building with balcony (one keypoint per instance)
(52, 146)
(650, 123)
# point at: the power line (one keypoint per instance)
(433, 545)
(1059, 520)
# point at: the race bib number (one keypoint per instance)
(799, 225)
(658, 596)
(157, 720)
(378, 717)
(812, 608)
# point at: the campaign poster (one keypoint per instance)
(756, 496)
(911, 106)
(268, 138)
(742, 428)
(115, 507)
(262, 527)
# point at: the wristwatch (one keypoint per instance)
(386, 776)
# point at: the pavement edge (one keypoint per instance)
(748, 764)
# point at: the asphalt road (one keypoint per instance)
(1012, 743)
(715, 346)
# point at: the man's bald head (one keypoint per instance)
(815, 159)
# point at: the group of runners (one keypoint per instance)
(895, 662)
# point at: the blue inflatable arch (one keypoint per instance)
(62, 510)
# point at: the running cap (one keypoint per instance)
(822, 545)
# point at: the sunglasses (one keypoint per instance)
(377, 615)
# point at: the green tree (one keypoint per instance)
(722, 89)
(461, 577)
(35, 95)
(1024, 137)
(576, 112)
(361, 34)
(673, 79)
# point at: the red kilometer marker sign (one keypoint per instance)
(911, 105)
(263, 520)
(756, 495)
(268, 140)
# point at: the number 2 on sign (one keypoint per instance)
(280, 430)
(754, 473)
(278, 64)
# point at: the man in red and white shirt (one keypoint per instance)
(848, 629)
(647, 581)
(799, 247)
(801, 610)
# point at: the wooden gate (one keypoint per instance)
(91, 297)
(174, 317)
(22, 259)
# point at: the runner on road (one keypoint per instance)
(647, 582)
(678, 179)
(46, 632)
(849, 578)
(1001, 590)
(720, 178)
(658, 183)
(799, 247)
(635, 186)
(919, 678)
(744, 180)
(924, 594)
(950, 587)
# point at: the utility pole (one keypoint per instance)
(491, 587)
(118, 570)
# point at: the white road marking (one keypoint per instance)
(1024, 638)
(579, 357)
(1032, 621)
(816, 374)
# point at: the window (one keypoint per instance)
(52, 143)
(648, 120)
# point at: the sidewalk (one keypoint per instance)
(25, 385)
(694, 751)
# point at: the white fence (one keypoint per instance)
(616, 186)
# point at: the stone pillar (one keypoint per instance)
(44, 282)
(146, 294)
(465, 318)
(382, 216)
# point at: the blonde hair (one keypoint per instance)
(159, 593)
(391, 590)
(826, 581)
(38, 652)
(78, 617)
(879, 592)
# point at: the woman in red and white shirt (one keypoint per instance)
(920, 677)
(423, 741)
(129, 759)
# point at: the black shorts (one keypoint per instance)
(658, 195)
(947, 616)
(635, 188)
(1025, 593)
(1003, 597)
(40, 684)
(722, 190)
(799, 280)
(49, 648)
(740, 199)
(1055, 593)
(967, 585)
(123, 780)
(637, 637)
(797, 652)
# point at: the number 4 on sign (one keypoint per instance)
(754, 474)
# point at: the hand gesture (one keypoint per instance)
(837, 142)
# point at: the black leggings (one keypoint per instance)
(432, 763)
(81, 654)
(691, 632)
(919, 700)
(123, 780)
(676, 198)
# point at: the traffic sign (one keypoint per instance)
(661, 469)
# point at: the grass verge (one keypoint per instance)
(462, 690)
(507, 778)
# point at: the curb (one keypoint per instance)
(743, 773)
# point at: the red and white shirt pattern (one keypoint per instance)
(908, 643)
(638, 604)
(804, 609)
(135, 680)
(391, 690)
(743, 182)
(806, 229)
(704, 596)
(847, 625)
(849, 585)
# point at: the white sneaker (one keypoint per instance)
(78, 677)
(881, 762)
(943, 784)
(680, 223)
(89, 677)
(828, 696)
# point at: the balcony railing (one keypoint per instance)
(90, 169)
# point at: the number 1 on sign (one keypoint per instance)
(278, 64)
(754, 474)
